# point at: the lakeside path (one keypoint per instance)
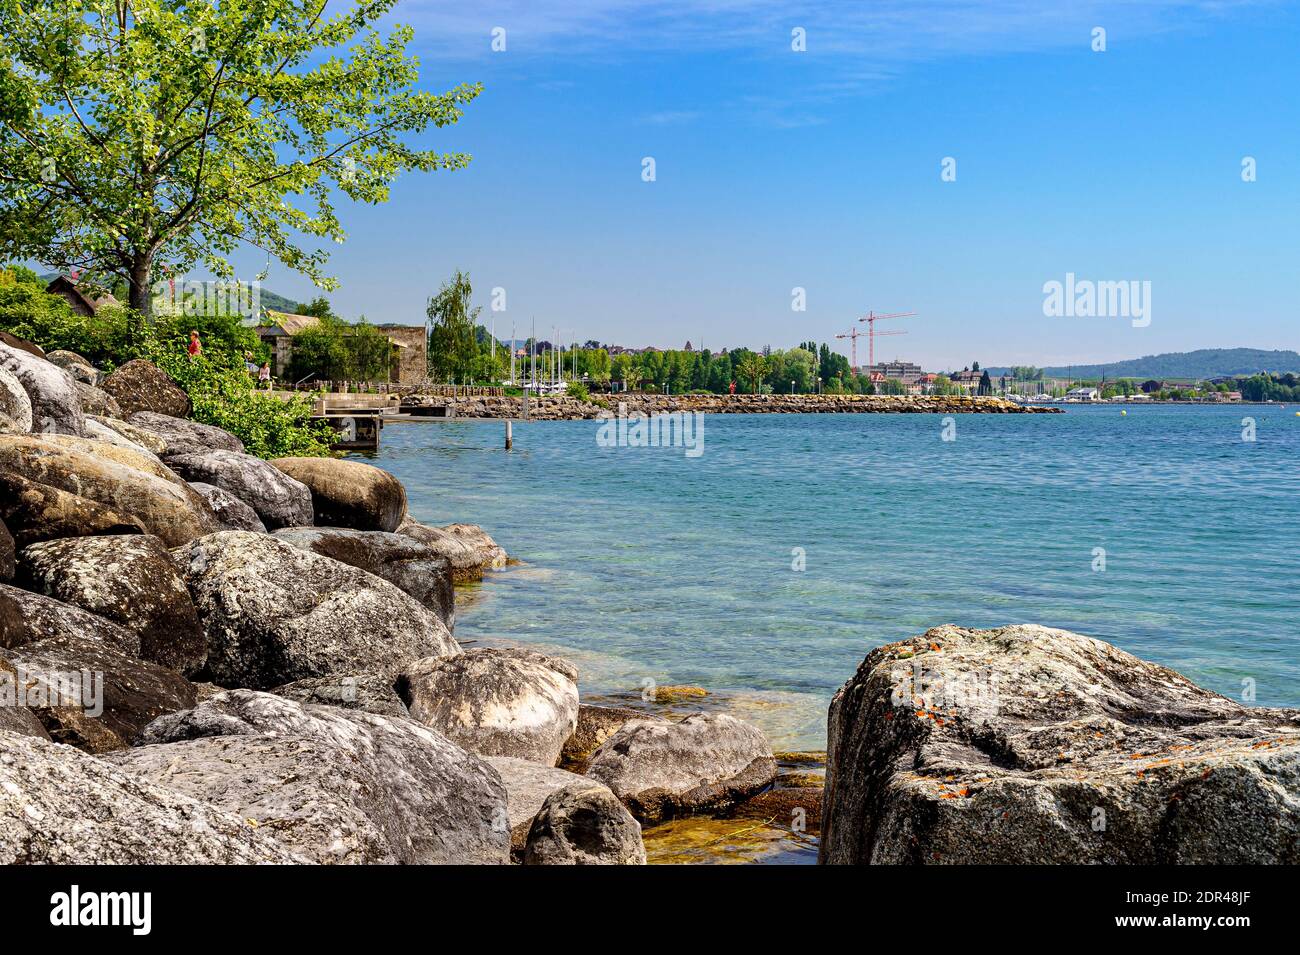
(562, 407)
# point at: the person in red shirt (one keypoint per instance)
(732, 388)
(196, 348)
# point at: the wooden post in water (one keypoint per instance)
(510, 440)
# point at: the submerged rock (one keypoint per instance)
(92, 696)
(349, 493)
(274, 613)
(163, 506)
(140, 385)
(708, 761)
(496, 702)
(182, 436)
(60, 806)
(467, 546)
(405, 563)
(55, 402)
(37, 512)
(1028, 745)
(232, 513)
(130, 580)
(584, 824)
(336, 786)
(278, 499)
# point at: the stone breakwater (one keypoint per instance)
(563, 408)
(275, 678)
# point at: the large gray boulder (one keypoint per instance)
(274, 614)
(595, 725)
(56, 404)
(528, 788)
(231, 513)
(349, 493)
(128, 484)
(75, 365)
(336, 786)
(130, 580)
(35, 512)
(97, 401)
(467, 546)
(278, 499)
(371, 692)
(137, 436)
(1028, 745)
(706, 762)
(26, 617)
(496, 702)
(140, 385)
(15, 406)
(403, 562)
(584, 824)
(62, 807)
(90, 696)
(182, 436)
(98, 431)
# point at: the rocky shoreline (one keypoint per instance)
(206, 657)
(564, 408)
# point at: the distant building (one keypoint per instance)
(1151, 386)
(78, 297)
(410, 348)
(970, 380)
(904, 371)
(1083, 394)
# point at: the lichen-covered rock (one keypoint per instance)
(130, 580)
(162, 506)
(60, 806)
(182, 436)
(274, 614)
(97, 401)
(232, 513)
(26, 617)
(278, 499)
(92, 696)
(132, 456)
(595, 725)
(140, 385)
(15, 406)
(349, 493)
(708, 761)
(15, 717)
(337, 786)
(75, 365)
(137, 436)
(8, 553)
(467, 546)
(584, 824)
(496, 702)
(371, 692)
(36, 512)
(1028, 745)
(56, 404)
(403, 562)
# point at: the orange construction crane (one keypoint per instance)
(871, 318)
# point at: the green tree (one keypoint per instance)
(140, 134)
(752, 367)
(453, 341)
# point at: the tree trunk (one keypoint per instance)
(141, 285)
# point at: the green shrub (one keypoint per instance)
(577, 389)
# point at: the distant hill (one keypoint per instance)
(1202, 363)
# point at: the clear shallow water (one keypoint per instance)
(643, 564)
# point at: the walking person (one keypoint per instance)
(195, 347)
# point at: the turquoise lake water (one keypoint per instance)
(643, 564)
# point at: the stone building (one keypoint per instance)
(410, 346)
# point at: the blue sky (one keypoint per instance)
(821, 170)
